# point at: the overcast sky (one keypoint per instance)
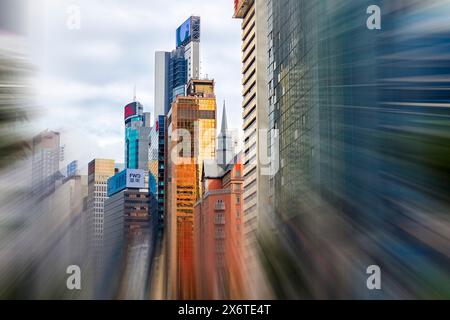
(86, 76)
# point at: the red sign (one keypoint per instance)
(130, 110)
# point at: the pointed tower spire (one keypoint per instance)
(225, 150)
(224, 127)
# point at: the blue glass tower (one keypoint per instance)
(137, 130)
(177, 75)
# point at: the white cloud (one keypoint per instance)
(87, 76)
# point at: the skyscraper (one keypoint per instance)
(158, 168)
(188, 38)
(99, 171)
(192, 118)
(127, 243)
(351, 121)
(174, 69)
(158, 165)
(45, 163)
(255, 124)
(137, 133)
(161, 104)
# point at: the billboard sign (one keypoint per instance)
(128, 178)
(135, 178)
(72, 168)
(130, 110)
(183, 35)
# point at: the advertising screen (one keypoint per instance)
(135, 178)
(128, 178)
(184, 33)
(130, 110)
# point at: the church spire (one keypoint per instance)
(225, 150)
(224, 127)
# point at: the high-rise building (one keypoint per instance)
(45, 163)
(192, 118)
(99, 171)
(158, 165)
(161, 104)
(350, 116)
(188, 38)
(255, 123)
(178, 74)
(218, 225)
(173, 70)
(127, 236)
(137, 133)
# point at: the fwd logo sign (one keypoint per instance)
(135, 178)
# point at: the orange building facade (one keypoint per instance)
(218, 232)
(192, 139)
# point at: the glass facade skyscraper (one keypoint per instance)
(177, 74)
(194, 114)
(174, 69)
(137, 136)
(346, 101)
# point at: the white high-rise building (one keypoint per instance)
(162, 60)
(192, 56)
(99, 170)
(255, 125)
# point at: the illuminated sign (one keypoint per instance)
(130, 110)
(128, 178)
(184, 33)
(188, 31)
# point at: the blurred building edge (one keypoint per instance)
(45, 164)
(364, 146)
(15, 93)
(218, 224)
(15, 73)
(69, 207)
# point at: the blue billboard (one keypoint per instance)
(183, 35)
(128, 178)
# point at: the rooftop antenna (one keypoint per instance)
(134, 93)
